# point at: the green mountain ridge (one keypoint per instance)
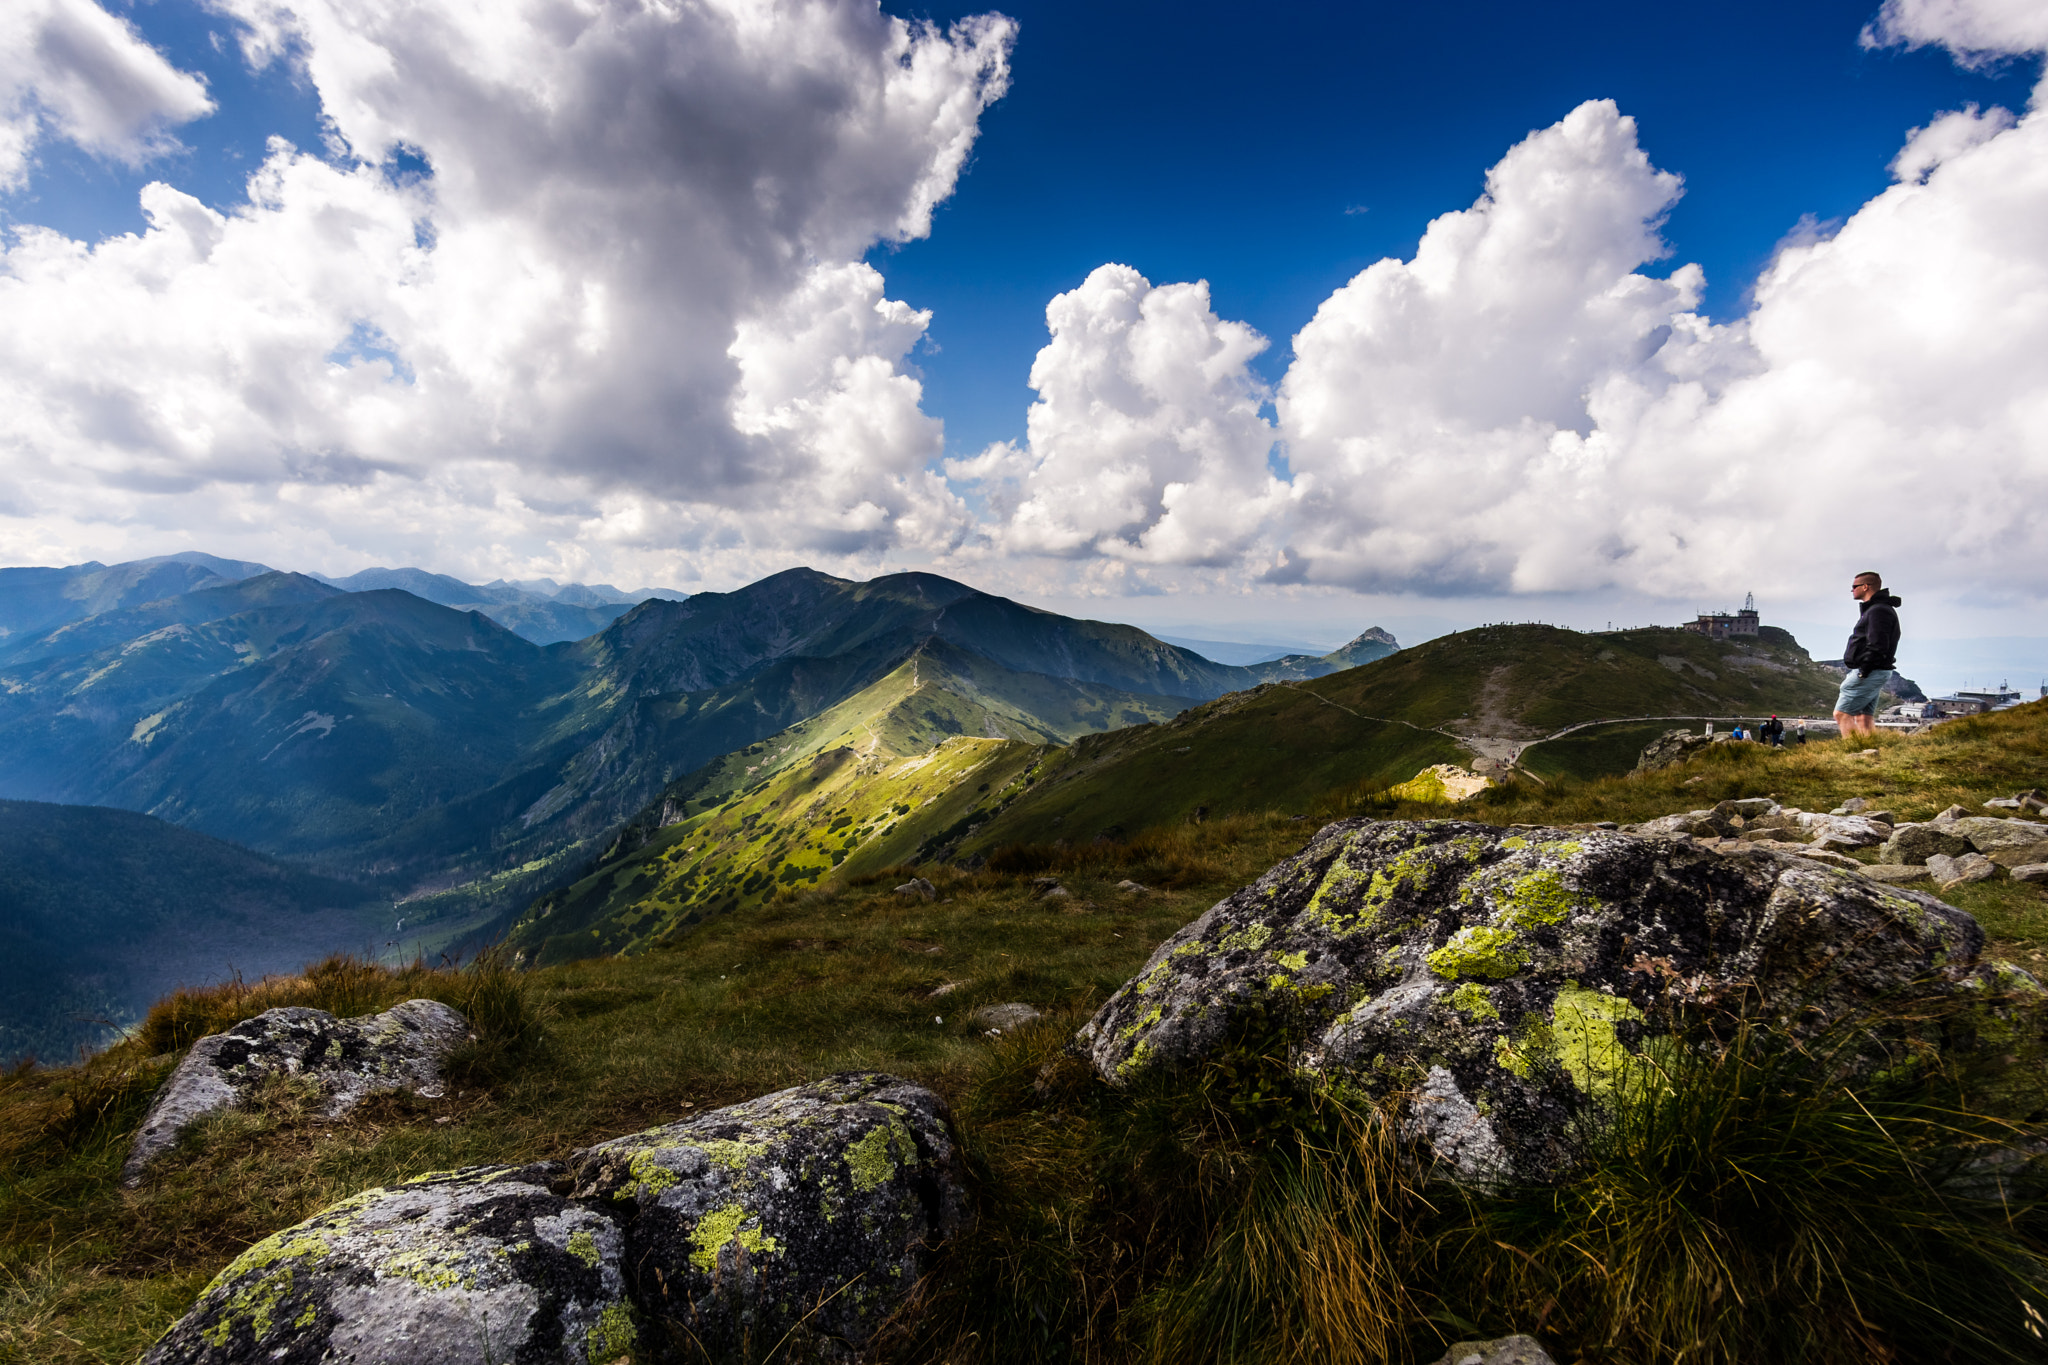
(882, 777)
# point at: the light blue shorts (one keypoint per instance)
(1859, 691)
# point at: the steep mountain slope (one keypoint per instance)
(1281, 746)
(103, 911)
(897, 770)
(37, 599)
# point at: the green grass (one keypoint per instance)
(1234, 1216)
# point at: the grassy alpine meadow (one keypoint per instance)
(1740, 1210)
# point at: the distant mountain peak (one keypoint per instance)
(1372, 635)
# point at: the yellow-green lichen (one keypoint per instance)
(721, 1227)
(427, 1268)
(1473, 1001)
(1541, 898)
(1250, 938)
(1511, 1058)
(613, 1337)
(1583, 1024)
(734, 1156)
(1293, 962)
(1134, 1063)
(1403, 869)
(1480, 950)
(648, 1175)
(871, 1160)
(583, 1247)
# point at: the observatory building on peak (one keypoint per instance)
(1725, 625)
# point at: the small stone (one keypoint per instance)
(2031, 872)
(1004, 1018)
(919, 889)
(1830, 858)
(1953, 813)
(1896, 874)
(1915, 844)
(1131, 888)
(1515, 1350)
(945, 988)
(1961, 871)
(1853, 806)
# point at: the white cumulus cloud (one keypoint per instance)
(623, 312)
(1146, 442)
(1527, 406)
(71, 70)
(1975, 31)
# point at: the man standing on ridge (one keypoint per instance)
(1870, 656)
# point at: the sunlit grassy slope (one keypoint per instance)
(906, 766)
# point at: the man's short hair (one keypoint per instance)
(1872, 577)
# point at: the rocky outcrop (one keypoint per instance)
(346, 1060)
(482, 1264)
(1504, 980)
(1673, 746)
(791, 1225)
(804, 1217)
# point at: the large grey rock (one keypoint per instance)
(2031, 872)
(1505, 980)
(1515, 1350)
(347, 1060)
(1917, 843)
(1988, 834)
(807, 1215)
(485, 1264)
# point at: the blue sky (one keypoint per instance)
(707, 306)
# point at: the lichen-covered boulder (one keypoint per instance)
(1500, 980)
(404, 1048)
(486, 1264)
(803, 1218)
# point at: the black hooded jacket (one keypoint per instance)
(1874, 644)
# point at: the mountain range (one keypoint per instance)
(433, 754)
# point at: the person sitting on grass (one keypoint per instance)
(1870, 656)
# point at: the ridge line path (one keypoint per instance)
(1508, 752)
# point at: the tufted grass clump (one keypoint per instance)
(493, 996)
(1744, 1209)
